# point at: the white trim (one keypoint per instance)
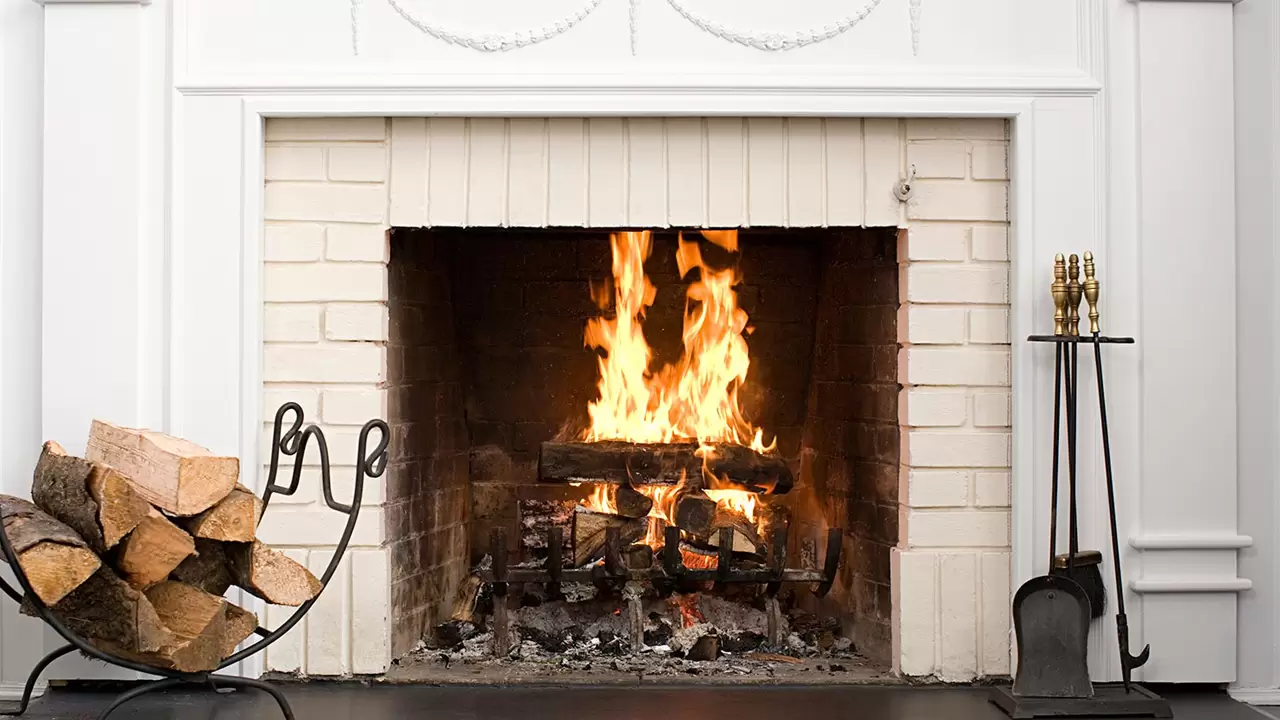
(1191, 541)
(1256, 696)
(13, 690)
(92, 2)
(1192, 585)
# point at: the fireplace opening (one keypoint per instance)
(732, 394)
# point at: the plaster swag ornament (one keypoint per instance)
(915, 27)
(493, 42)
(775, 41)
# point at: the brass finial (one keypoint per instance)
(1073, 295)
(1091, 292)
(1059, 289)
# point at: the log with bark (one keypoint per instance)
(175, 475)
(54, 558)
(589, 533)
(153, 550)
(91, 498)
(695, 514)
(233, 519)
(240, 625)
(745, 537)
(208, 569)
(113, 615)
(662, 464)
(198, 622)
(537, 517)
(270, 575)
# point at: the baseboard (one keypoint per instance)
(13, 690)
(1255, 696)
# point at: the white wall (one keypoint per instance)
(1257, 44)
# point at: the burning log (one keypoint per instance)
(745, 537)
(589, 528)
(638, 557)
(630, 503)
(661, 464)
(695, 514)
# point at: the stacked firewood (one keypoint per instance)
(133, 546)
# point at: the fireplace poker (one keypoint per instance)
(1127, 661)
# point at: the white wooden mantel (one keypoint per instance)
(1123, 144)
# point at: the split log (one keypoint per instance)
(695, 514)
(175, 475)
(240, 625)
(91, 498)
(198, 621)
(589, 533)
(464, 603)
(54, 558)
(629, 502)
(153, 550)
(207, 570)
(539, 516)
(233, 519)
(112, 615)
(745, 537)
(638, 557)
(662, 464)
(270, 575)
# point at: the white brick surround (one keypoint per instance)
(335, 186)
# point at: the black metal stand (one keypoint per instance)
(291, 442)
(1109, 700)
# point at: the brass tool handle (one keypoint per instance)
(1091, 292)
(1073, 295)
(1059, 289)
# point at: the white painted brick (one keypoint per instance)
(293, 243)
(371, 598)
(326, 202)
(935, 241)
(294, 163)
(336, 129)
(336, 363)
(938, 488)
(952, 528)
(321, 282)
(358, 243)
(956, 449)
(991, 409)
(989, 326)
(291, 323)
(923, 365)
(917, 610)
(959, 128)
(365, 321)
(342, 441)
(929, 325)
(991, 161)
(287, 653)
(959, 200)
(328, 624)
(920, 407)
(358, 163)
(355, 406)
(991, 489)
(958, 617)
(946, 283)
(318, 526)
(273, 397)
(344, 484)
(938, 158)
(996, 640)
(308, 492)
(990, 242)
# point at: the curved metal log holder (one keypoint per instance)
(290, 442)
(671, 572)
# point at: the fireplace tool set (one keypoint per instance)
(1052, 612)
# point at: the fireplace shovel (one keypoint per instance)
(1051, 612)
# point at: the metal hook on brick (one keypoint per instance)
(903, 189)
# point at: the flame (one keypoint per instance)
(603, 499)
(697, 397)
(739, 501)
(690, 614)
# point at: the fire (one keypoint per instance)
(602, 500)
(697, 397)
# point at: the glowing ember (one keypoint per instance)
(696, 560)
(690, 615)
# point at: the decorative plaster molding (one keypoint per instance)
(635, 24)
(497, 42)
(774, 41)
(355, 26)
(1191, 541)
(915, 27)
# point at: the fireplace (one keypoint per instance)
(443, 272)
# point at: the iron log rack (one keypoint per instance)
(291, 442)
(665, 576)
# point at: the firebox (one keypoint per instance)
(685, 438)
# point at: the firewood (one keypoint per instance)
(631, 503)
(175, 475)
(662, 464)
(464, 603)
(539, 516)
(745, 537)
(270, 575)
(112, 615)
(240, 625)
(233, 519)
(54, 558)
(91, 498)
(695, 514)
(198, 621)
(589, 533)
(638, 557)
(207, 569)
(152, 551)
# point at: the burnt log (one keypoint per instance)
(745, 537)
(590, 528)
(537, 517)
(662, 464)
(695, 514)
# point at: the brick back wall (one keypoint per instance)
(427, 500)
